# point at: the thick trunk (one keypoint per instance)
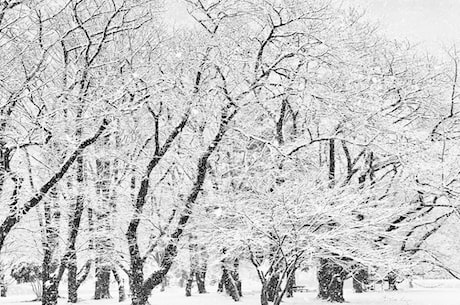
(200, 277)
(290, 285)
(230, 285)
(136, 278)
(360, 280)
(72, 286)
(330, 278)
(102, 286)
(263, 296)
(272, 287)
(50, 294)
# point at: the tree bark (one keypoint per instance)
(330, 278)
(290, 285)
(102, 290)
(188, 286)
(360, 280)
(74, 227)
(391, 277)
(272, 287)
(121, 286)
(229, 283)
(50, 243)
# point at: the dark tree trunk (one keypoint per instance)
(330, 278)
(76, 211)
(72, 281)
(200, 277)
(200, 273)
(263, 296)
(141, 289)
(236, 276)
(230, 285)
(272, 287)
(391, 277)
(324, 278)
(220, 286)
(121, 285)
(3, 284)
(360, 280)
(103, 242)
(50, 293)
(12, 219)
(51, 240)
(290, 285)
(188, 286)
(102, 289)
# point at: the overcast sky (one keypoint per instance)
(431, 23)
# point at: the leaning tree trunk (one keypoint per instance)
(290, 285)
(121, 285)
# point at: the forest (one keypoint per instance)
(282, 136)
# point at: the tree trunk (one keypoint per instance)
(102, 289)
(50, 293)
(263, 296)
(229, 284)
(392, 281)
(121, 286)
(330, 278)
(3, 284)
(290, 285)
(164, 284)
(104, 244)
(272, 287)
(200, 277)
(50, 243)
(200, 273)
(188, 287)
(72, 286)
(236, 276)
(360, 280)
(76, 209)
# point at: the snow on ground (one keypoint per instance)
(425, 292)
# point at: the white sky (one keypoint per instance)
(430, 23)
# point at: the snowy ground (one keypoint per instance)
(425, 292)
